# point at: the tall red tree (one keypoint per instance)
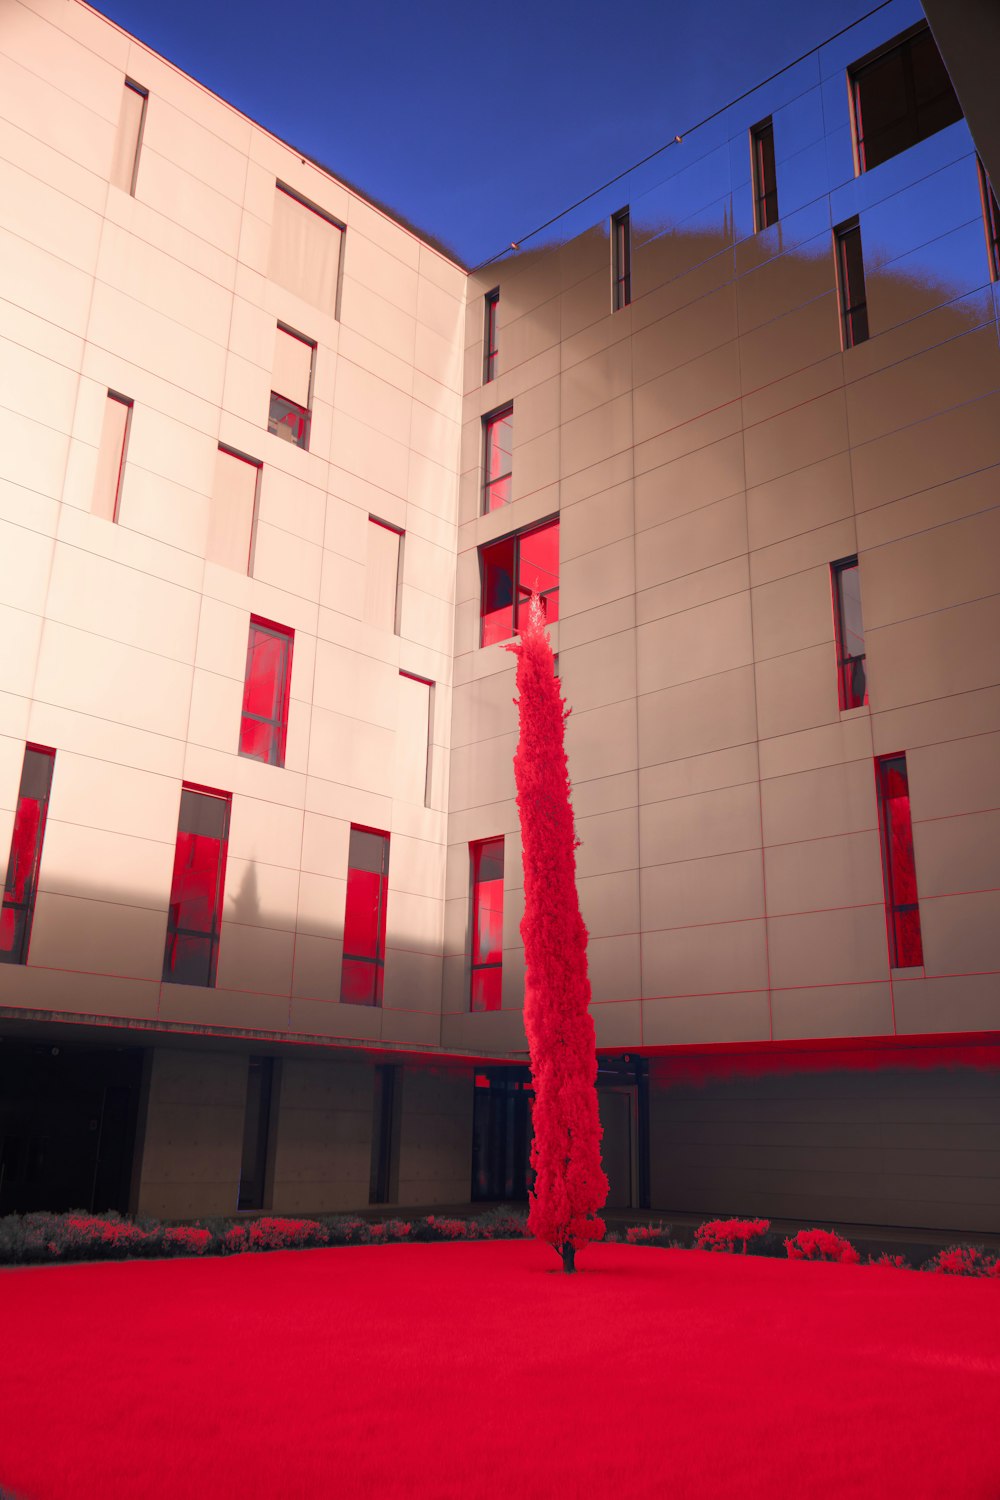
(570, 1185)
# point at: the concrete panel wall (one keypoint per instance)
(435, 1141)
(323, 1137)
(192, 1143)
(869, 1145)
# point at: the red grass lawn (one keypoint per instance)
(480, 1369)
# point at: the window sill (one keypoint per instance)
(915, 971)
(863, 710)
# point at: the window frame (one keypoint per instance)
(378, 959)
(621, 259)
(258, 464)
(855, 73)
(279, 726)
(761, 133)
(477, 847)
(143, 94)
(398, 599)
(23, 909)
(129, 405)
(846, 662)
(516, 538)
(991, 220)
(491, 350)
(292, 408)
(430, 685)
(321, 213)
(492, 420)
(214, 932)
(899, 957)
(854, 326)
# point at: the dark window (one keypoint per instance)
(765, 177)
(991, 222)
(512, 570)
(21, 884)
(850, 631)
(194, 918)
(899, 871)
(851, 283)
(487, 924)
(621, 260)
(290, 413)
(498, 448)
(264, 724)
(490, 336)
(256, 1129)
(900, 97)
(364, 917)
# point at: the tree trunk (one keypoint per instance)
(569, 1257)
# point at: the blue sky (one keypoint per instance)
(478, 122)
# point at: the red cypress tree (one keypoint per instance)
(570, 1185)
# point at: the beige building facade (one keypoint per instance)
(276, 471)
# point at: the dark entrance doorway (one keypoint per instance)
(501, 1135)
(67, 1126)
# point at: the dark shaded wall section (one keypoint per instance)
(968, 36)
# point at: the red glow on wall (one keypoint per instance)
(194, 920)
(487, 924)
(21, 884)
(898, 864)
(264, 722)
(735, 1060)
(361, 976)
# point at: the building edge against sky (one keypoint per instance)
(276, 476)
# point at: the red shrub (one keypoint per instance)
(899, 1262)
(398, 1229)
(726, 1234)
(821, 1244)
(963, 1260)
(285, 1234)
(184, 1239)
(448, 1229)
(647, 1234)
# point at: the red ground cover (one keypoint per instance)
(480, 1369)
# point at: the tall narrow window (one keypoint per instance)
(111, 456)
(899, 870)
(194, 918)
(991, 222)
(498, 448)
(901, 95)
(256, 1123)
(264, 724)
(364, 918)
(851, 283)
(413, 739)
(305, 248)
(382, 575)
(621, 260)
(512, 569)
(487, 924)
(21, 884)
(290, 413)
(128, 141)
(232, 518)
(765, 177)
(490, 336)
(383, 1181)
(850, 633)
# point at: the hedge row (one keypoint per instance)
(32, 1238)
(753, 1236)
